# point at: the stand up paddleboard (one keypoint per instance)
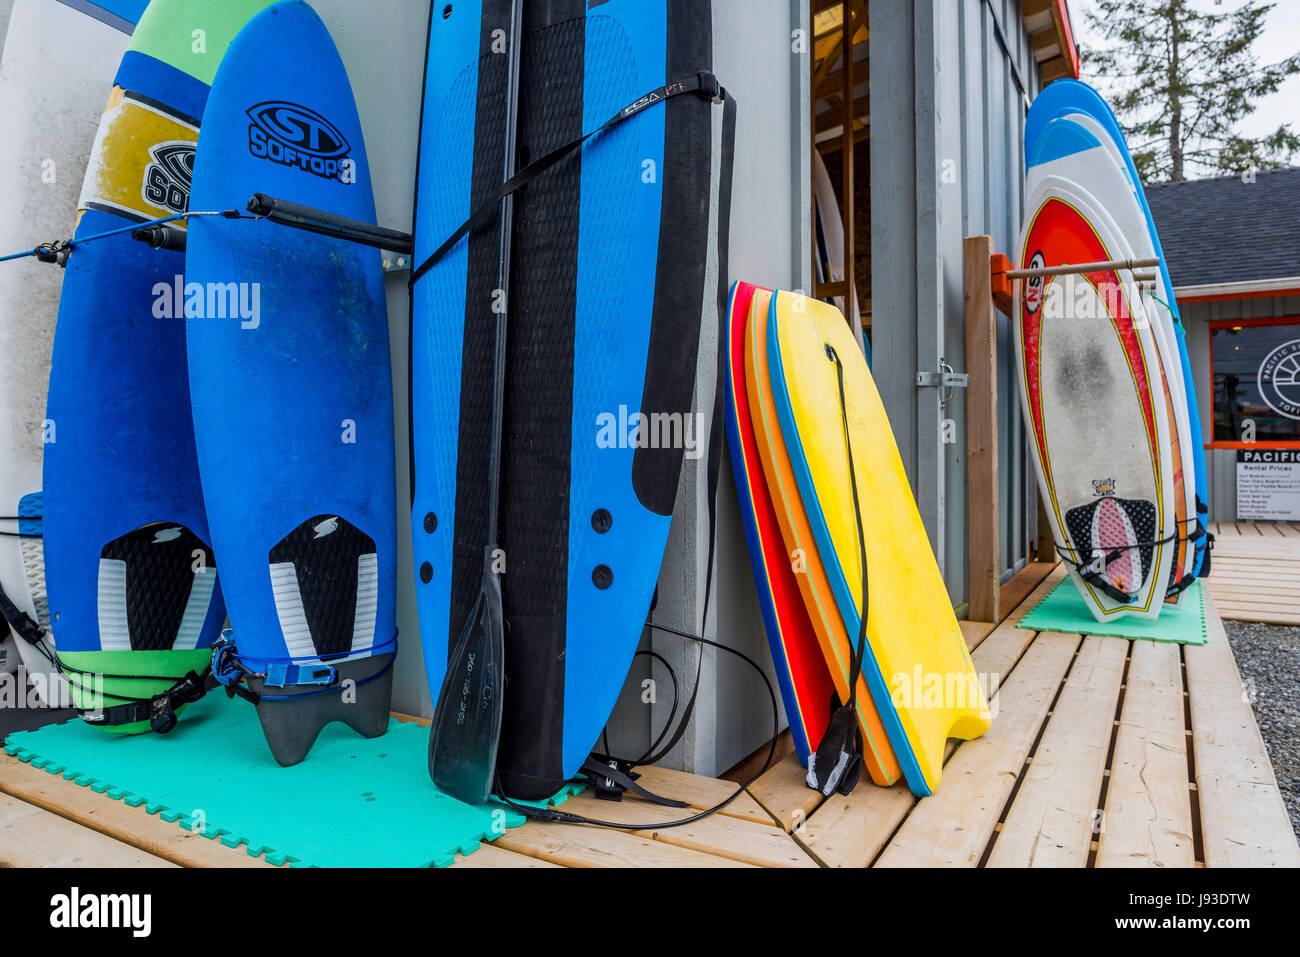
(869, 536)
(1073, 98)
(1094, 394)
(806, 686)
(132, 580)
(291, 384)
(610, 279)
(57, 63)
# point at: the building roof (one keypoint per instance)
(1226, 230)
(1048, 24)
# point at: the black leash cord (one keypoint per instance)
(672, 712)
(563, 817)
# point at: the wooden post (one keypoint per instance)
(983, 542)
(1045, 547)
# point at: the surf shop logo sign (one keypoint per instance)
(1279, 379)
(167, 178)
(295, 136)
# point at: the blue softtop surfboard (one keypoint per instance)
(1068, 96)
(131, 577)
(291, 387)
(609, 282)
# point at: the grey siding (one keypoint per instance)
(1197, 316)
(947, 162)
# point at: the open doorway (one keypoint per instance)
(841, 161)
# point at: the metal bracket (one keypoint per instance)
(945, 379)
(396, 262)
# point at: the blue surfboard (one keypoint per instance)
(1067, 96)
(291, 385)
(609, 283)
(131, 577)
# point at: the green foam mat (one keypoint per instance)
(1064, 610)
(354, 802)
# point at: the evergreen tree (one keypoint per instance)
(1182, 78)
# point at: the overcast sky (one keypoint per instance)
(1281, 39)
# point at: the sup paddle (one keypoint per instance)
(466, 729)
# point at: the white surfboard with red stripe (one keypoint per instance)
(1095, 401)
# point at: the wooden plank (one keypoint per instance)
(784, 793)
(851, 831)
(762, 845)
(1261, 617)
(983, 557)
(33, 837)
(491, 856)
(1025, 581)
(117, 820)
(1052, 820)
(1273, 602)
(1243, 819)
(975, 631)
(953, 826)
(701, 793)
(1147, 821)
(576, 845)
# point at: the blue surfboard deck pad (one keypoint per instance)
(609, 285)
(1067, 96)
(1063, 611)
(291, 383)
(358, 803)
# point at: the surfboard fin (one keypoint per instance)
(293, 716)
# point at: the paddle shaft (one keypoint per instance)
(499, 347)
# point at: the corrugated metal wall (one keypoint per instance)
(947, 162)
(1222, 463)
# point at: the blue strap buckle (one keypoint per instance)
(284, 675)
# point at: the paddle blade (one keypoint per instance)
(466, 725)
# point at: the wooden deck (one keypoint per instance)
(1103, 753)
(1256, 572)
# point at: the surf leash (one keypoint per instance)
(233, 675)
(57, 251)
(1092, 570)
(159, 710)
(836, 765)
(703, 84)
(594, 769)
(21, 623)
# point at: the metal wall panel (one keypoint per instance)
(947, 162)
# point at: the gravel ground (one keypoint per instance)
(1268, 657)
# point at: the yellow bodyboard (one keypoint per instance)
(918, 668)
(814, 584)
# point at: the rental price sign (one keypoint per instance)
(1268, 485)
